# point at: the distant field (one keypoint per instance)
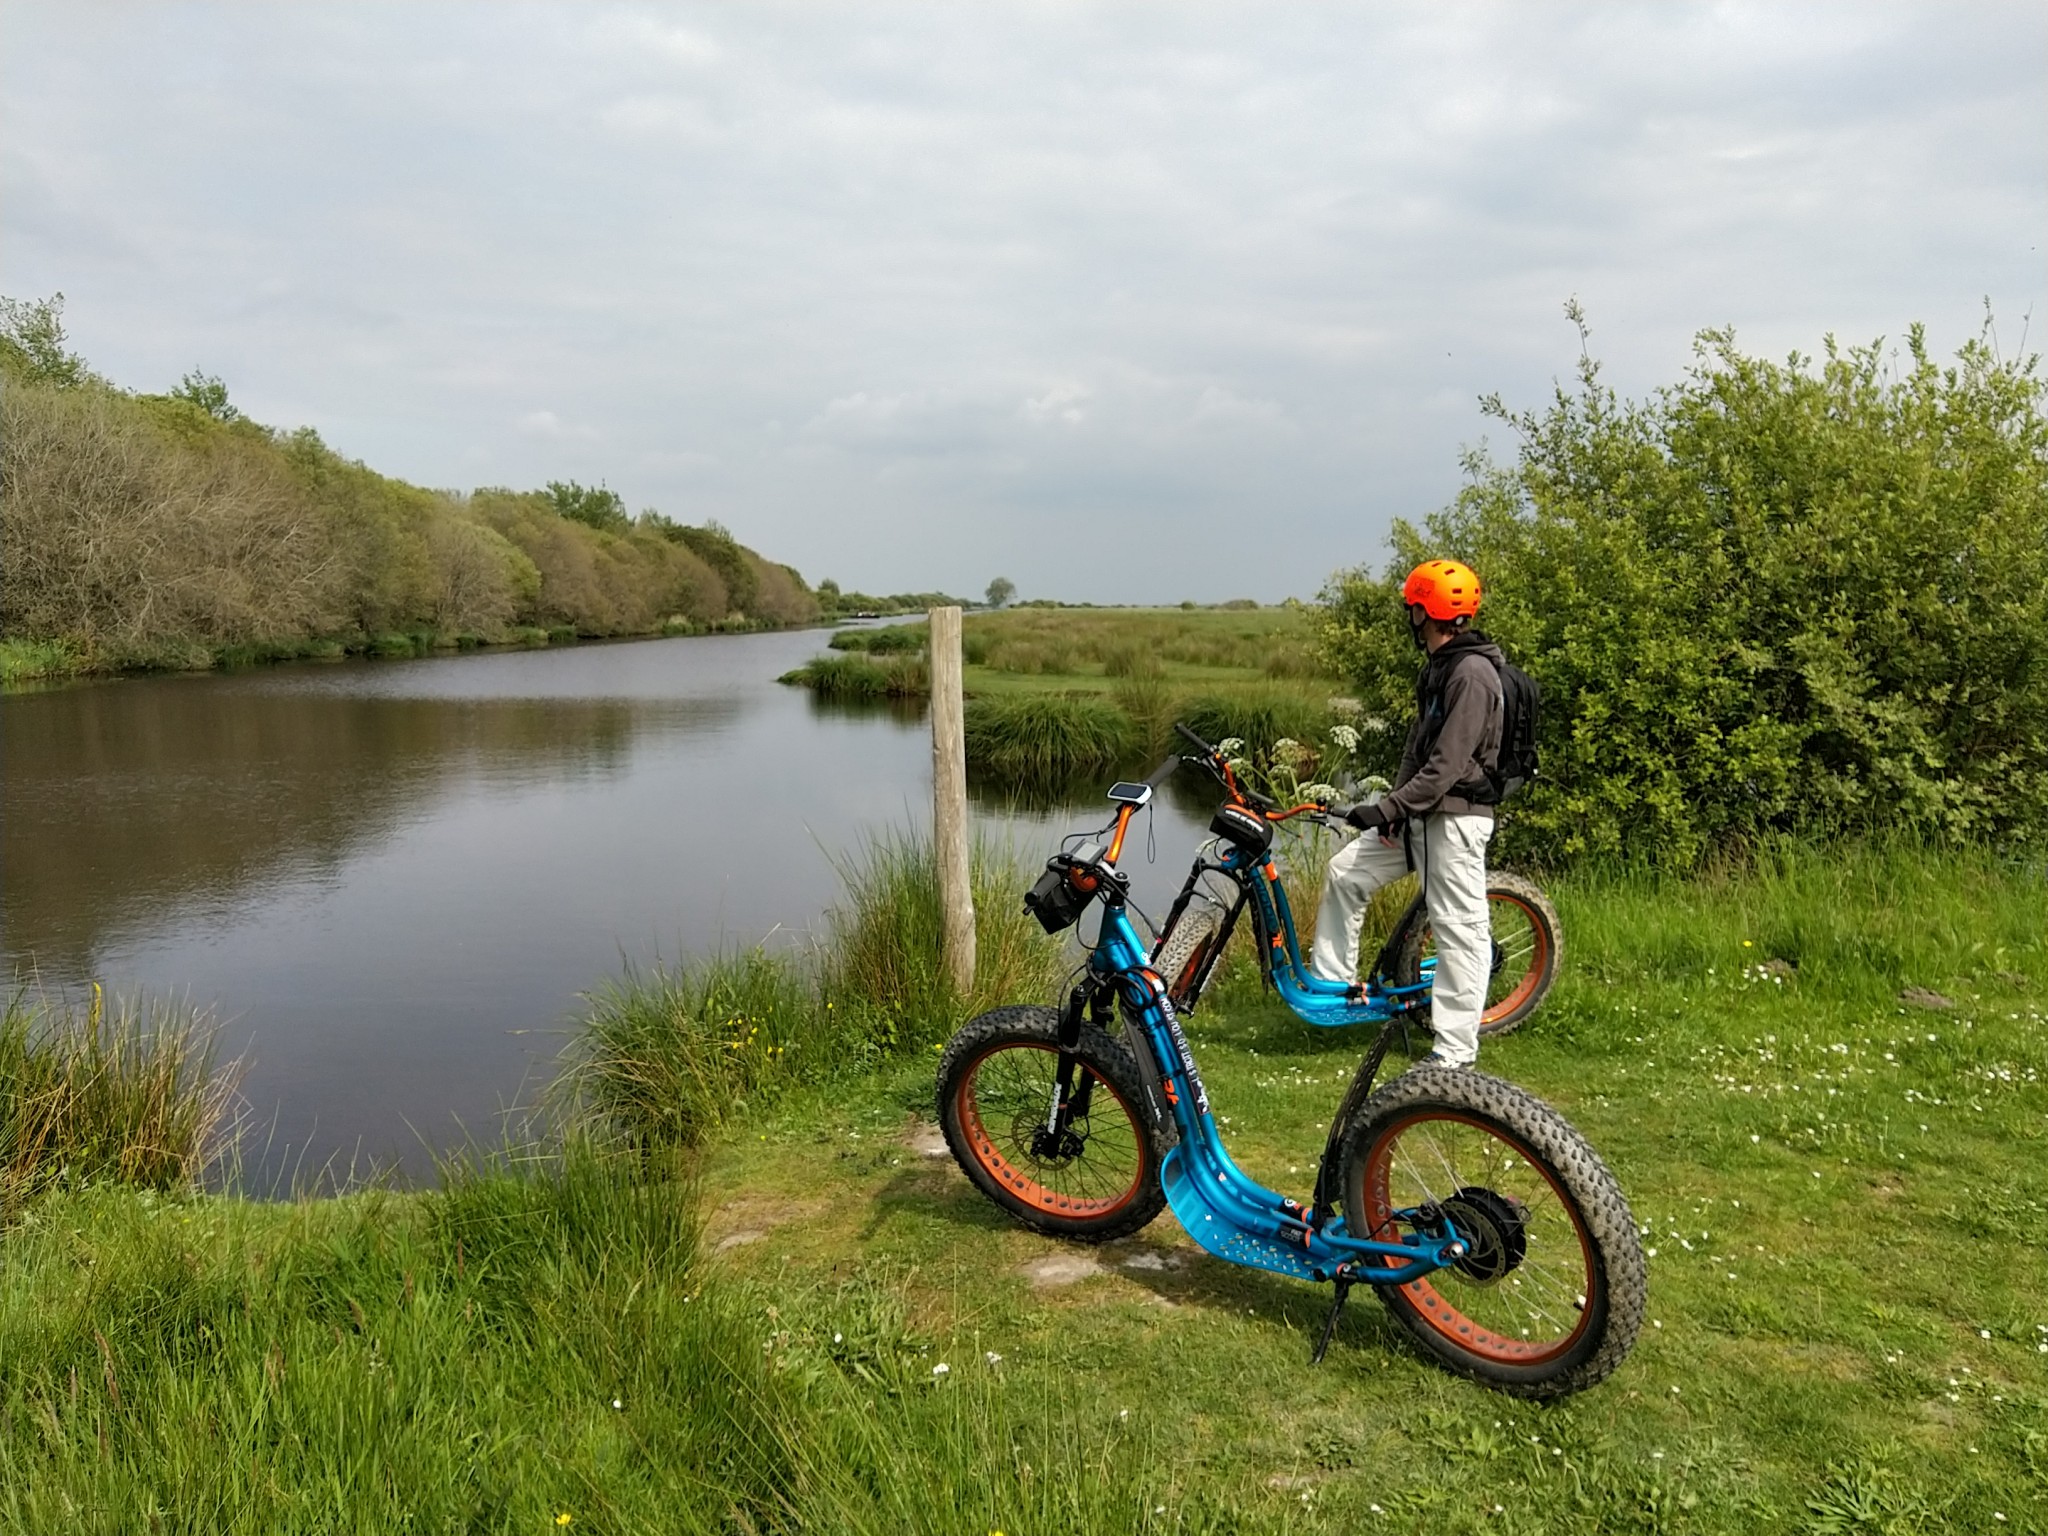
(1057, 695)
(1096, 649)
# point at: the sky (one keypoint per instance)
(1127, 303)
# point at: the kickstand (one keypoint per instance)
(1330, 1322)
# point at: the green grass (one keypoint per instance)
(525, 1344)
(1844, 1192)
(1879, 1198)
(24, 661)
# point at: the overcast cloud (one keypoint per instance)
(1124, 302)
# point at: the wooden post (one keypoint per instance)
(949, 802)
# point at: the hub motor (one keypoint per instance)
(1495, 1229)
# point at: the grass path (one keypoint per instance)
(1846, 1197)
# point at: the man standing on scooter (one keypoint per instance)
(1438, 817)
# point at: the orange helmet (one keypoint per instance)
(1445, 589)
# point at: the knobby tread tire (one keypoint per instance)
(1526, 893)
(1620, 1268)
(1033, 1025)
(1198, 926)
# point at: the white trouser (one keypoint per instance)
(1450, 858)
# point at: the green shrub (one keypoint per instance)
(1047, 738)
(1772, 598)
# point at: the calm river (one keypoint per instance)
(391, 880)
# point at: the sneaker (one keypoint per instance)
(1437, 1059)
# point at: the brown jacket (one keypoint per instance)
(1467, 737)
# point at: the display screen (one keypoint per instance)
(1130, 794)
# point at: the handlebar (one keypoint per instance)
(1195, 741)
(1163, 772)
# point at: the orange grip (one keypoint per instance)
(1123, 823)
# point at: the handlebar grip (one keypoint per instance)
(1163, 772)
(1194, 741)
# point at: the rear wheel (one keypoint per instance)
(1096, 1178)
(1550, 1295)
(1528, 945)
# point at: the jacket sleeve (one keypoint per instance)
(1468, 705)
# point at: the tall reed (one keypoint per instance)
(130, 1092)
(1047, 737)
(668, 1054)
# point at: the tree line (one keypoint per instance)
(169, 529)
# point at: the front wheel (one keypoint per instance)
(1550, 1294)
(1528, 947)
(1095, 1178)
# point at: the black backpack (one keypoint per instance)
(1521, 701)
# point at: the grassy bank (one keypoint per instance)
(1819, 1078)
(48, 661)
(526, 1349)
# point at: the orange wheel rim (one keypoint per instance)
(1096, 1191)
(1557, 1293)
(1539, 959)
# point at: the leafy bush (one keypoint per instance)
(1773, 597)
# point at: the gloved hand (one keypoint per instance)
(1368, 818)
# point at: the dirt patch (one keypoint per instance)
(1923, 997)
(1151, 1259)
(927, 1140)
(740, 1223)
(1061, 1268)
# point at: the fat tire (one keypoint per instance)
(1526, 894)
(1620, 1271)
(1185, 946)
(1036, 1026)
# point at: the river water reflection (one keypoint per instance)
(392, 880)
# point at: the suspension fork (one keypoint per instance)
(1071, 1103)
